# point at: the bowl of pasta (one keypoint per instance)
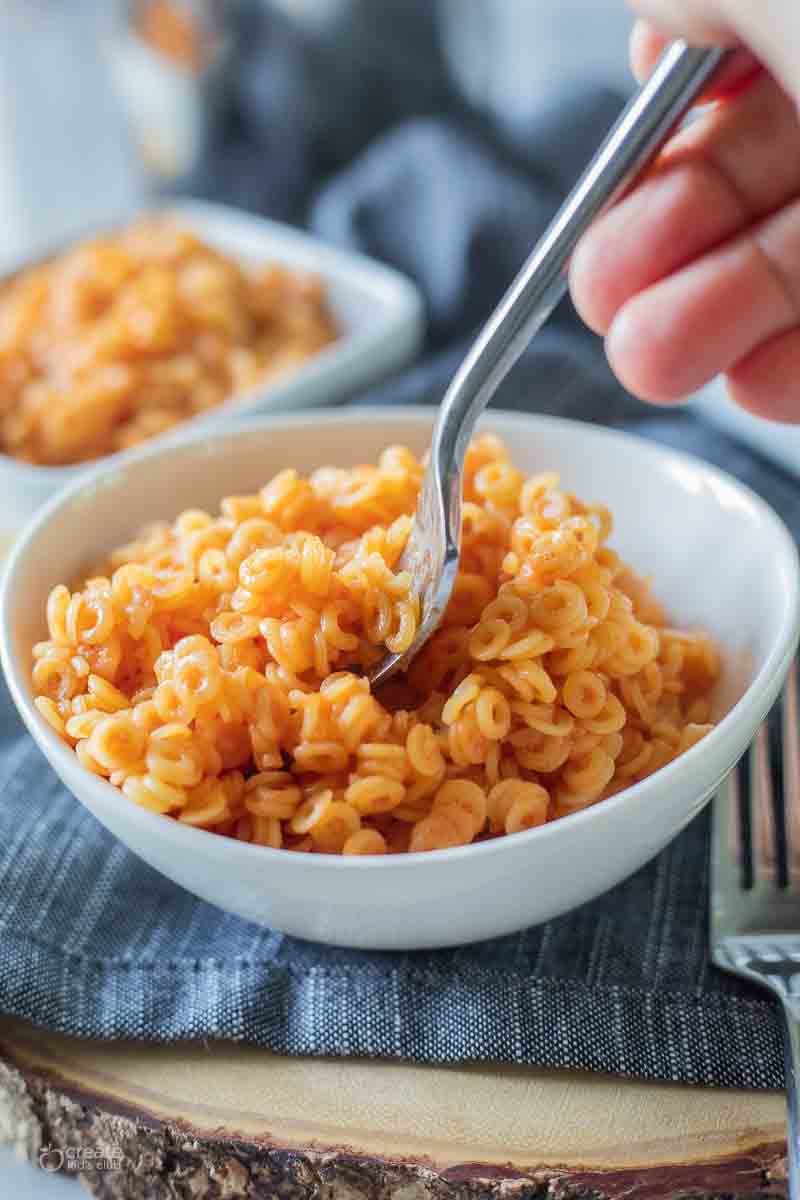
(186, 636)
(186, 315)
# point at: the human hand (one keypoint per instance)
(697, 271)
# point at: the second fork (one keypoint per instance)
(755, 882)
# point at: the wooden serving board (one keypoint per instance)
(222, 1120)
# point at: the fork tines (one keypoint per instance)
(765, 823)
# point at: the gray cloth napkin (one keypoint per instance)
(95, 943)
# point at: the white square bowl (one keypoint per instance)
(378, 311)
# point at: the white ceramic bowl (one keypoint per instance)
(720, 559)
(378, 311)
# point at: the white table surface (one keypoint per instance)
(24, 1182)
(66, 158)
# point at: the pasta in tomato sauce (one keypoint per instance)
(211, 669)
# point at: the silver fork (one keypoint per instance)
(431, 554)
(755, 883)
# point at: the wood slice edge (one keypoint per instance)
(139, 1155)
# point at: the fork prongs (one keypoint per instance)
(768, 779)
(790, 746)
(765, 790)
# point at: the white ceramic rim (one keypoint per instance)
(677, 773)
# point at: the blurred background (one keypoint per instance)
(265, 103)
(438, 136)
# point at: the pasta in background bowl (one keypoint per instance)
(467, 748)
(125, 336)
(377, 314)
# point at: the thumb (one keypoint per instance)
(647, 46)
(770, 29)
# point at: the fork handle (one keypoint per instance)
(678, 80)
(791, 1012)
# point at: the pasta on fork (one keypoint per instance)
(211, 669)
